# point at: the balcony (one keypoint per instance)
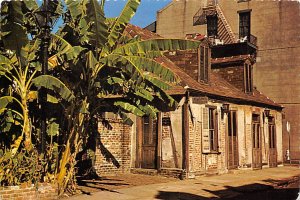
(234, 49)
(252, 40)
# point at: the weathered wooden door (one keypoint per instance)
(233, 161)
(149, 143)
(272, 143)
(256, 141)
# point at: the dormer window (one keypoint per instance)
(248, 78)
(204, 63)
(212, 25)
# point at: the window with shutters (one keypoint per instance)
(204, 62)
(210, 130)
(244, 24)
(248, 78)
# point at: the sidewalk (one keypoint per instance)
(233, 185)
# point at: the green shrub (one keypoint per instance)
(24, 167)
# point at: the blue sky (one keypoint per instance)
(145, 14)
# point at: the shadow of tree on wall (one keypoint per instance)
(86, 157)
(109, 157)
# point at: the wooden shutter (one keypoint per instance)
(216, 130)
(205, 131)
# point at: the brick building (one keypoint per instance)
(271, 26)
(221, 121)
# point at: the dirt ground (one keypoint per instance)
(111, 183)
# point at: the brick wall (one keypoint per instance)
(113, 153)
(232, 74)
(186, 60)
(43, 192)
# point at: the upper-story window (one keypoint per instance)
(212, 25)
(244, 24)
(204, 62)
(248, 78)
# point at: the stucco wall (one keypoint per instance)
(276, 24)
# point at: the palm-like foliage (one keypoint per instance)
(92, 59)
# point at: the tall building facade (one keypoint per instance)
(273, 27)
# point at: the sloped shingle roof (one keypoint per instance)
(216, 87)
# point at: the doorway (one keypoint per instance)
(272, 142)
(256, 142)
(147, 143)
(233, 156)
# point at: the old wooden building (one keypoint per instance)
(221, 121)
(272, 26)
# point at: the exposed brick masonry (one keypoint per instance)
(43, 192)
(113, 147)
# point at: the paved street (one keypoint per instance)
(242, 184)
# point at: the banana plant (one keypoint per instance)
(108, 63)
(20, 66)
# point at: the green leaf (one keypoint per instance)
(129, 107)
(5, 100)
(157, 82)
(125, 118)
(120, 24)
(54, 84)
(75, 8)
(12, 18)
(5, 65)
(15, 146)
(52, 99)
(53, 128)
(31, 4)
(142, 47)
(144, 94)
(96, 19)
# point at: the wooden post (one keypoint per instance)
(139, 128)
(185, 135)
(159, 140)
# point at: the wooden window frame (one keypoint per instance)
(212, 25)
(272, 132)
(204, 63)
(213, 129)
(231, 127)
(244, 23)
(256, 142)
(248, 78)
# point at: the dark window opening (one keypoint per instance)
(204, 56)
(248, 78)
(212, 25)
(232, 125)
(256, 131)
(244, 25)
(272, 133)
(213, 129)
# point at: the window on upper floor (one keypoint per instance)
(248, 78)
(244, 24)
(204, 62)
(212, 25)
(210, 130)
